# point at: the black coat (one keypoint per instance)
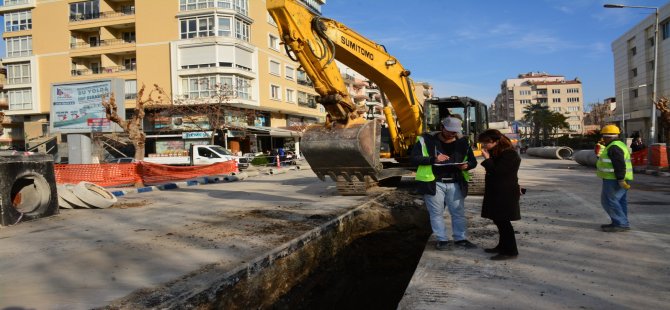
(462, 149)
(501, 194)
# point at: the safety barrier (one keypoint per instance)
(132, 173)
(659, 155)
(639, 158)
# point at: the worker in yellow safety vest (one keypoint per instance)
(443, 161)
(615, 168)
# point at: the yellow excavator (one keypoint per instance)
(347, 146)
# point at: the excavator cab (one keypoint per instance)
(472, 112)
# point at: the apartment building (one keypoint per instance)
(553, 91)
(184, 46)
(634, 77)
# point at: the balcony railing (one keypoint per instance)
(100, 43)
(103, 70)
(16, 2)
(307, 104)
(101, 15)
(305, 82)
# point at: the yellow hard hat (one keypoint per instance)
(610, 130)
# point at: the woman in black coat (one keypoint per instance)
(502, 191)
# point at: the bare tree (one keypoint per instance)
(209, 113)
(133, 126)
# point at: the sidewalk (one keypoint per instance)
(565, 260)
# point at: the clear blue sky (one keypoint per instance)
(468, 47)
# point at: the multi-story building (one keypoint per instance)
(599, 115)
(184, 46)
(553, 91)
(634, 63)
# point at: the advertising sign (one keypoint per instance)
(77, 107)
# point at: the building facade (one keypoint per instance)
(634, 75)
(187, 47)
(553, 91)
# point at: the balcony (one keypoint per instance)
(102, 70)
(17, 5)
(307, 103)
(102, 15)
(109, 42)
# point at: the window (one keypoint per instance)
(541, 100)
(556, 109)
(130, 64)
(573, 109)
(635, 93)
(274, 42)
(275, 92)
(541, 91)
(633, 51)
(634, 72)
(556, 100)
(15, 2)
(573, 99)
(241, 6)
(197, 27)
(575, 127)
(224, 27)
(131, 89)
(241, 30)
(18, 21)
(274, 67)
(198, 86)
(271, 20)
(84, 10)
(20, 99)
(19, 46)
(665, 30)
(524, 92)
(289, 95)
(555, 91)
(243, 86)
(573, 90)
(18, 73)
(651, 41)
(129, 36)
(289, 72)
(524, 101)
(186, 5)
(651, 65)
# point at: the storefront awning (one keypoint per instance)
(273, 132)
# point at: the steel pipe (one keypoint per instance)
(585, 158)
(551, 152)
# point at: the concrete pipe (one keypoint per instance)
(252, 173)
(277, 171)
(585, 158)
(551, 152)
(231, 178)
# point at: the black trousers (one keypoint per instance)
(507, 240)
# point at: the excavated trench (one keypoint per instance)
(363, 259)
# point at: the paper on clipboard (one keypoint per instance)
(450, 164)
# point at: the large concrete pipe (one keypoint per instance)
(585, 157)
(552, 152)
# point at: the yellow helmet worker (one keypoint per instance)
(610, 130)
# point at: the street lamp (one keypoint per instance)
(652, 130)
(623, 108)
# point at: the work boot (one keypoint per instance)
(607, 225)
(465, 244)
(615, 228)
(443, 246)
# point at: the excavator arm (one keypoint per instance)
(347, 144)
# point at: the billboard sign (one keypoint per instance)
(77, 107)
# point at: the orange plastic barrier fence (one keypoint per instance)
(659, 155)
(156, 173)
(100, 174)
(639, 158)
(129, 174)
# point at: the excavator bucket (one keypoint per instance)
(351, 153)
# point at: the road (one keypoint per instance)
(565, 261)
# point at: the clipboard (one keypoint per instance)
(450, 164)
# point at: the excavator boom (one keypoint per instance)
(347, 145)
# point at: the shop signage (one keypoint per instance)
(196, 135)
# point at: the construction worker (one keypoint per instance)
(443, 161)
(615, 168)
(600, 147)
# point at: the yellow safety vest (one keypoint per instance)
(424, 173)
(605, 169)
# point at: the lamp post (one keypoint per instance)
(652, 130)
(623, 108)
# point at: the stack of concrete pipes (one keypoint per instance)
(551, 152)
(585, 158)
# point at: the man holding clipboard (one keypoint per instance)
(443, 161)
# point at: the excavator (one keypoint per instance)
(347, 146)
